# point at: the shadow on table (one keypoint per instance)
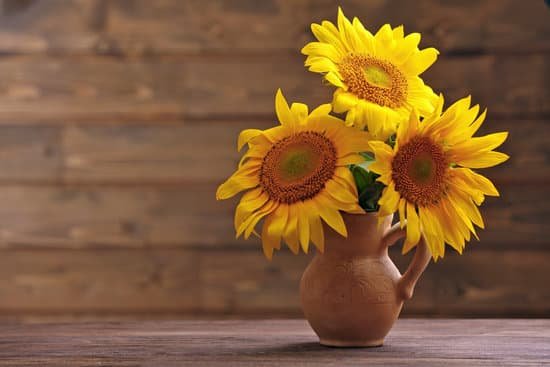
(315, 347)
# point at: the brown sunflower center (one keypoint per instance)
(297, 167)
(418, 170)
(374, 80)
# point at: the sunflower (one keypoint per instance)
(429, 175)
(377, 76)
(296, 174)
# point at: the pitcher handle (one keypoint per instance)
(421, 259)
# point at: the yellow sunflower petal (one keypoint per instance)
(365, 37)
(482, 182)
(413, 229)
(449, 227)
(382, 151)
(321, 65)
(419, 61)
(343, 101)
(245, 136)
(333, 79)
(270, 241)
(401, 208)
(381, 121)
(408, 128)
(349, 159)
(420, 96)
(474, 146)
(271, 136)
(321, 111)
(389, 201)
(339, 192)
(322, 49)
(406, 46)
(234, 185)
(248, 225)
(324, 34)
(283, 111)
(351, 142)
(383, 168)
(384, 36)
(291, 230)
(317, 234)
(455, 204)
(351, 119)
(347, 180)
(473, 213)
(303, 225)
(463, 184)
(300, 112)
(435, 115)
(398, 33)
(433, 233)
(474, 127)
(347, 31)
(252, 200)
(278, 223)
(334, 219)
(483, 160)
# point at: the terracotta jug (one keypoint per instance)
(352, 294)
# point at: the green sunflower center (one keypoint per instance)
(377, 76)
(422, 169)
(298, 166)
(419, 169)
(374, 80)
(297, 162)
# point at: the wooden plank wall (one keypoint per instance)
(118, 119)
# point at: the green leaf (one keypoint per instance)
(368, 188)
(369, 157)
(391, 140)
(361, 177)
(369, 196)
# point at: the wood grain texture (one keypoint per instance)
(135, 216)
(200, 281)
(217, 87)
(188, 153)
(460, 285)
(63, 91)
(130, 27)
(412, 342)
(103, 280)
(30, 154)
(113, 216)
(175, 154)
(118, 119)
(111, 90)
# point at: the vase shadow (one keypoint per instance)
(306, 347)
(309, 348)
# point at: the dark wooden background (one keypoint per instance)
(118, 119)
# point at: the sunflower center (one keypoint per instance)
(374, 80)
(377, 76)
(297, 167)
(419, 169)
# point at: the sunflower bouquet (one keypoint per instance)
(384, 144)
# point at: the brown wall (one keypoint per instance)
(119, 118)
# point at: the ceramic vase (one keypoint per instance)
(352, 293)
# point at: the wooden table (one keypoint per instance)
(412, 342)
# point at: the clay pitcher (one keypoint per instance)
(352, 294)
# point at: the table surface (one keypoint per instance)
(412, 342)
